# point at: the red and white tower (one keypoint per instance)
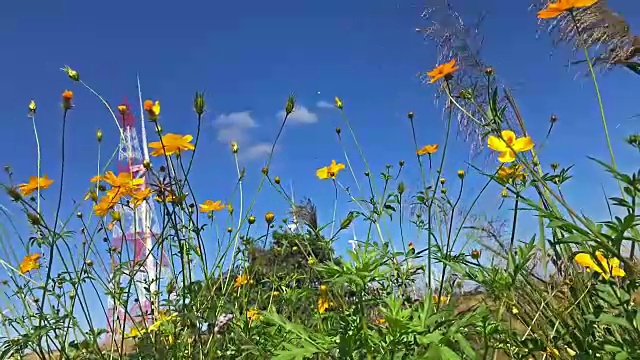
(134, 238)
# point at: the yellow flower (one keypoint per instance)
(152, 109)
(338, 103)
(33, 184)
(29, 263)
(210, 206)
(32, 108)
(509, 140)
(171, 144)
(512, 172)
(442, 300)
(381, 321)
(136, 332)
(606, 267)
(139, 196)
(323, 304)
(253, 314)
(442, 71)
(504, 193)
(241, 280)
(555, 9)
(122, 109)
(268, 217)
(330, 171)
(427, 149)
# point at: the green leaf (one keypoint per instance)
(611, 320)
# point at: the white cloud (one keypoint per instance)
(324, 104)
(256, 151)
(237, 126)
(301, 115)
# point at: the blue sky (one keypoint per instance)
(250, 55)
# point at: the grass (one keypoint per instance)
(277, 288)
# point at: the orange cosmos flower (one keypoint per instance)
(152, 109)
(171, 144)
(442, 71)
(509, 145)
(33, 184)
(555, 9)
(29, 263)
(210, 206)
(139, 196)
(67, 96)
(512, 172)
(330, 171)
(427, 149)
(122, 109)
(241, 280)
(605, 267)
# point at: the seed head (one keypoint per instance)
(199, 103)
(290, 106)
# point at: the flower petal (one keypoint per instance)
(507, 156)
(495, 143)
(522, 144)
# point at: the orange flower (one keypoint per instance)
(29, 263)
(442, 71)
(330, 171)
(171, 144)
(512, 172)
(427, 149)
(67, 96)
(152, 109)
(139, 196)
(323, 304)
(241, 280)
(35, 183)
(555, 9)
(122, 109)
(210, 206)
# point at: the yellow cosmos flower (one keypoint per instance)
(323, 304)
(605, 267)
(253, 314)
(29, 263)
(33, 184)
(442, 300)
(241, 280)
(171, 144)
(330, 171)
(338, 103)
(555, 9)
(210, 206)
(442, 71)
(511, 172)
(509, 145)
(427, 149)
(139, 196)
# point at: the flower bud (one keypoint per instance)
(199, 103)
(252, 220)
(488, 71)
(122, 109)
(229, 230)
(553, 118)
(461, 174)
(410, 115)
(99, 135)
(32, 108)
(504, 193)
(234, 147)
(72, 74)
(401, 163)
(475, 254)
(401, 188)
(290, 106)
(146, 164)
(67, 97)
(268, 217)
(265, 171)
(277, 180)
(79, 215)
(338, 103)
(442, 181)
(338, 131)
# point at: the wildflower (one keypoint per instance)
(268, 217)
(211, 206)
(514, 310)
(234, 147)
(72, 74)
(122, 109)
(199, 103)
(152, 109)
(106, 204)
(461, 174)
(606, 267)
(253, 314)
(32, 108)
(555, 9)
(427, 149)
(504, 193)
(67, 96)
(330, 171)
(512, 172)
(241, 280)
(35, 183)
(171, 144)
(29, 263)
(338, 103)
(442, 71)
(509, 145)
(323, 304)
(381, 321)
(442, 300)
(139, 196)
(136, 332)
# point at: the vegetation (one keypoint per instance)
(277, 288)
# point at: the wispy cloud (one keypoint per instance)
(301, 115)
(237, 126)
(324, 105)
